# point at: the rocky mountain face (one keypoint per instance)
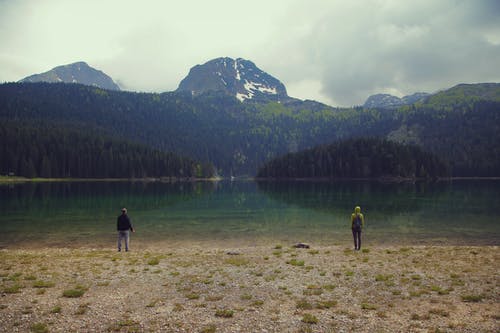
(78, 72)
(236, 77)
(386, 101)
(416, 97)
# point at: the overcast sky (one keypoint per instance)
(337, 52)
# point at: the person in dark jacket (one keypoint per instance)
(124, 226)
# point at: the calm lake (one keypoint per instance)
(245, 213)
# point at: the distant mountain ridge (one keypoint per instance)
(387, 101)
(466, 92)
(236, 77)
(78, 72)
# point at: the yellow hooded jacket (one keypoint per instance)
(357, 211)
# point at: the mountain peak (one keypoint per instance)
(238, 77)
(78, 72)
(386, 101)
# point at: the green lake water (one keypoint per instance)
(245, 213)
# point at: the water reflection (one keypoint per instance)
(99, 196)
(458, 210)
(84, 213)
(391, 198)
(77, 213)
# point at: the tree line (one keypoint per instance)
(41, 150)
(357, 158)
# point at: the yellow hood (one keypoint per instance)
(357, 210)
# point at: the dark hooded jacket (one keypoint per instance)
(123, 223)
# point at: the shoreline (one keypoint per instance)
(145, 242)
(15, 179)
(8, 180)
(271, 287)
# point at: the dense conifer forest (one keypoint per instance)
(460, 125)
(49, 152)
(357, 158)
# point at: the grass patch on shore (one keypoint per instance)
(257, 302)
(321, 305)
(472, 298)
(178, 307)
(277, 253)
(192, 296)
(209, 329)
(329, 287)
(439, 312)
(313, 290)
(12, 277)
(236, 261)
(368, 306)
(214, 298)
(304, 304)
(246, 297)
(309, 319)
(13, 289)
(43, 284)
(78, 291)
(295, 262)
(224, 313)
(82, 309)
(56, 309)
(128, 325)
(39, 328)
(153, 261)
(382, 277)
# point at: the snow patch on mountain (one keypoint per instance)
(236, 77)
(242, 97)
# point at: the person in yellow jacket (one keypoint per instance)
(357, 224)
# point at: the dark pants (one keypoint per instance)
(356, 234)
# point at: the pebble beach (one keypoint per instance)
(265, 288)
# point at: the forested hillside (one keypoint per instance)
(237, 138)
(212, 127)
(357, 158)
(47, 151)
(463, 130)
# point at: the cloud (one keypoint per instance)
(359, 48)
(338, 52)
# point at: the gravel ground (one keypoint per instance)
(272, 288)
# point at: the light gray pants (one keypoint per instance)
(123, 235)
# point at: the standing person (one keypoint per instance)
(357, 224)
(124, 226)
